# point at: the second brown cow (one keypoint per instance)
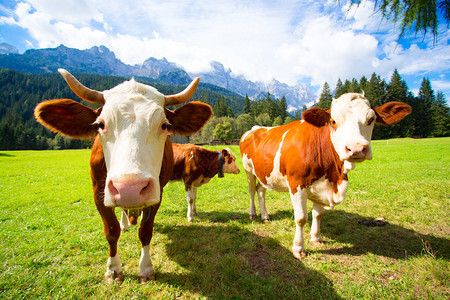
(195, 166)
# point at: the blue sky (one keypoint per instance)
(296, 42)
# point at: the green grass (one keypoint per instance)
(52, 243)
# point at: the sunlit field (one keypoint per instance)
(52, 242)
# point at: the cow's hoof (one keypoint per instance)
(299, 254)
(116, 277)
(266, 220)
(318, 243)
(145, 278)
(252, 217)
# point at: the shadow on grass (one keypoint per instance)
(391, 240)
(6, 154)
(225, 261)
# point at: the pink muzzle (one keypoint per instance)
(130, 191)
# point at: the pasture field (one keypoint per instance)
(52, 243)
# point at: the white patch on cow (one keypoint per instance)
(191, 195)
(201, 180)
(348, 166)
(132, 141)
(145, 265)
(355, 120)
(247, 163)
(113, 267)
(276, 181)
(124, 221)
(321, 193)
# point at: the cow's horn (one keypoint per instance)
(80, 90)
(184, 95)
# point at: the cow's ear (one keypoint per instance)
(392, 112)
(189, 118)
(67, 117)
(225, 152)
(316, 116)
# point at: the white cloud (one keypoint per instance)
(293, 41)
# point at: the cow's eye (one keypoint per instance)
(164, 126)
(370, 121)
(101, 125)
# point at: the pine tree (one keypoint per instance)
(363, 84)
(375, 90)
(325, 98)
(441, 116)
(397, 90)
(339, 89)
(247, 107)
(282, 108)
(423, 122)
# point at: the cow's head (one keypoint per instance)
(133, 125)
(229, 162)
(351, 120)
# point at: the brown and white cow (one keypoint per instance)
(310, 158)
(195, 166)
(132, 158)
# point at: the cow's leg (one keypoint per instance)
(301, 217)
(261, 192)
(191, 195)
(251, 179)
(124, 221)
(317, 214)
(112, 232)
(146, 271)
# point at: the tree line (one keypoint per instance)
(233, 114)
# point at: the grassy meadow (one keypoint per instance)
(52, 243)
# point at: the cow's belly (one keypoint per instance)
(274, 182)
(200, 181)
(321, 192)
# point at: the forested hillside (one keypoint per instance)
(20, 92)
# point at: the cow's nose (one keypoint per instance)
(130, 192)
(357, 150)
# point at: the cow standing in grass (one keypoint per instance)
(310, 158)
(132, 158)
(195, 166)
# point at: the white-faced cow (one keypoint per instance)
(195, 166)
(132, 158)
(310, 158)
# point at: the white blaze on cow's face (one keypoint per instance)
(133, 131)
(352, 122)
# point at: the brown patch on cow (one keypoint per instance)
(194, 165)
(308, 156)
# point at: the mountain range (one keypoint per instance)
(101, 60)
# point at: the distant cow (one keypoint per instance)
(132, 158)
(195, 166)
(310, 158)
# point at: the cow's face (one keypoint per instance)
(229, 162)
(352, 121)
(133, 125)
(133, 129)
